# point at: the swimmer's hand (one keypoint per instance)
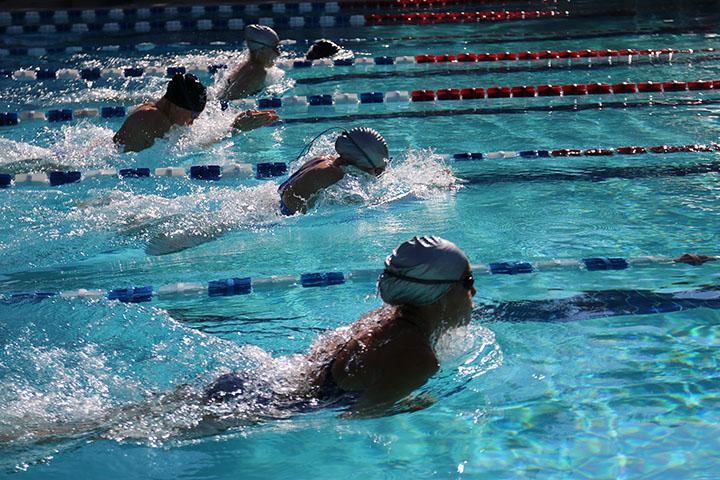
(415, 403)
(408, 405)
(252, 119)
(693, 259)
(173, 242)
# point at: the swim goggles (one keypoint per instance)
(467, 281)
(274, 48)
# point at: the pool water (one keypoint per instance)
(517, 396)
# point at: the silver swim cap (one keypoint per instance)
(261, 36)
(363, 147)
(421, 270)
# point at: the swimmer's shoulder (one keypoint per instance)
(382, 355)
(327, 165)
(142, 127)
(146, 113)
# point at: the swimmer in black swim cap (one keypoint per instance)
(323, 48)
(182, 103)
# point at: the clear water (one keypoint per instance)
(631, 396)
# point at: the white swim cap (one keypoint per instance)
(421, 270)
(363, 147)
(261, 36)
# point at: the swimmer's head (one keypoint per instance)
(322, 49)
(363, 148)
(424, 269)
(263, 43)
(186, 92)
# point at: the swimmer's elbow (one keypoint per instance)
(166, 244)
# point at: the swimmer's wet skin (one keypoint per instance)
(183, 101)
(249, 77)
(382, 358)
(359, 150)
(322, 48)
(427, 286)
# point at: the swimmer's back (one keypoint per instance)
(381, 361)
(142, 127)
(246, 79)
(298, 190)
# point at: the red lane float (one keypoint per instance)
(597, 152)
(426, 18)
(524, 91)
(548, 55)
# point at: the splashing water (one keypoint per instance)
(127, 372)
(79, 146)
(172, 224)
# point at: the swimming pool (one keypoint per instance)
(548, 389)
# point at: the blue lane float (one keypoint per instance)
(60, 115)
(195, 172)
(131, 294)
(8, 119)
(63, 178)
(605, 263)
(206, 172)
(510, 268)
(321, 279)
(113, 112)
(229, 286)
(90, 74)
(134, 172)
(271, 169)
(246, 285)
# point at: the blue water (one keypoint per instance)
(632, 396)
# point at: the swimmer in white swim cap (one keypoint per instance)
(249, 77)
(427, 286)
(360, 150)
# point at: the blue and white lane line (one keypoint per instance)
(245, 285)
(278, 169)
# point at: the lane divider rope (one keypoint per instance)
(118, 26)
(567, 57)
(398, 96)
(195, 172)
(61, 17)
(245, 285)
(277, 169)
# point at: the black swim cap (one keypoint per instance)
(322, 49)
(186, 91)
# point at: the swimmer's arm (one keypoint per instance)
(252, 119)
(694, 259)
(300, 195)
(138, 132)
(173, 242)
(246, 79)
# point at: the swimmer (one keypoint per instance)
(182, 103)
(370, 365)
(323, 48)
(360, 150)
(428, 286)
(249, 77)
(694, 259)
